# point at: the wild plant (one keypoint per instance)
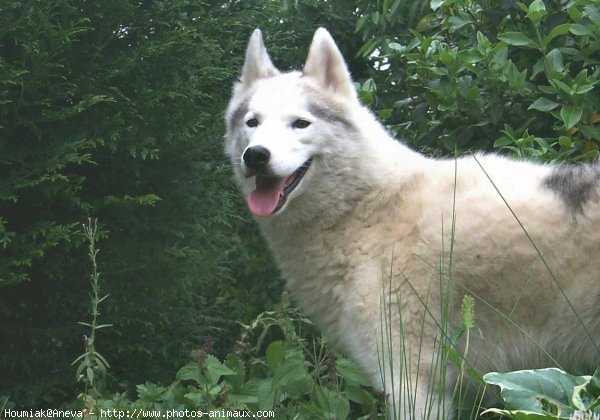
(92, 365)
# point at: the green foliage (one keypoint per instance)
(547, 394)
(293, 375)
(477, 75)
(113, 110)
(103, 106)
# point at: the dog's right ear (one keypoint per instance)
(258, 65)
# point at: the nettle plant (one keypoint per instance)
(479, 75)
(280, 364)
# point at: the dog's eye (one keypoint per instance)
(252, 122)
(300, 123)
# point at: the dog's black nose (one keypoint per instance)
(256, 157)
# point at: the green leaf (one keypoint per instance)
(399, 48)
(579, 30)
(587, 396)
(593, 13)
(190, 372)
(557, 31)
(591, 132)
(518, 39)
(565, 142)
(293, 376)
(236, 365)
(266, 394)
(554, 60)
(543, 104)
(537, 10)
(583, 89)
(562, 86)
(570, 115)
(573, 13)
(384, 114)
(331, 403)
(274, 355)
(537, 391)
(215, 369)
(350, 372)
(503, 141)
(357, 394)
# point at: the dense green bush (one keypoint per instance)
(479, 75)
(113, 110)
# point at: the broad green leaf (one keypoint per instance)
(331, 403)
(573, 13)
(562, 86)
(215, 369)
(591, 132)
(554, 60)
(274, 355)
(236, 365)
(537, 391)
(397, 47)
(351, 372)
(587, 396)
(292, 375)
(537, 10)
(570, 115)
(543, 104)
(537, 6)
(583, 89)
(503, 141)
(518, 39)
(579, 30)
(557, 31)
(197, 398)
(565, 142)
(517, 414)
(266, 394)
(190, 372)
(593, 13)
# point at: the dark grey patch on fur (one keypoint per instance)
(327, 109)
(238, 113)
(575, 184)
(331, 115)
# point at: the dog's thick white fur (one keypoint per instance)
(362, 229)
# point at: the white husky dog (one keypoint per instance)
(379, 244)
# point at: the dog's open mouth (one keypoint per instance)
(271, 192)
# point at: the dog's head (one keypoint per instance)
(280, 125)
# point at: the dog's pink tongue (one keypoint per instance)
(263, 200)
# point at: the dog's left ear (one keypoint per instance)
(325, 64)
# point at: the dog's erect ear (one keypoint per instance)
(326, 65)
(258, 65)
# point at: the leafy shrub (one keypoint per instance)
(294, 375)
(478, 75)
